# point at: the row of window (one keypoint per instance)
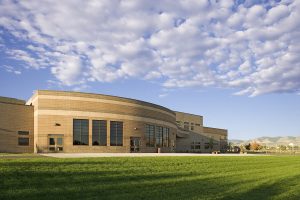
(99, 132)
(157, 136)
(187, 125)
(192, 123)
(207, 145)
(196, 145)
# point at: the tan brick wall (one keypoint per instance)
(221, 133)
(62, 107)
(57, 107)
(69, 104)
(15, 117)
(195, 119)
(98, 96)
(200, 134)
(130, 129)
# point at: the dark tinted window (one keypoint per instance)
(192, 145)
(149, 133)
(158, 136)
(52, 148)
(23, 132)
(51, 141)
(116, 133)
(206, 145)
(99, 132)
(23, 141)
(59, 141)
(80, 132)
(166, 137)
(196, 145)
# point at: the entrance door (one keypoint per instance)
(55, 142)
(135, 144)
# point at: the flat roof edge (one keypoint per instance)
(188, 113)
(219, 130)
(37, 92)
(12, 100)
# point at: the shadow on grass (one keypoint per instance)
(106, 185)
(290, 187)
(108, 179)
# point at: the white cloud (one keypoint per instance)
(251, 47)
(245, 67)
(22, 55)
(163, 95)
(153, 75)
(277, 13)
(11, 69)
(69, 70)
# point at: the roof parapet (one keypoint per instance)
(12, 101)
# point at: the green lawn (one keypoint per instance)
(265, 177)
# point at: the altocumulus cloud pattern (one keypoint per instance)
(252, 46)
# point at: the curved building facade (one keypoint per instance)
(59, 121)
(81, 122)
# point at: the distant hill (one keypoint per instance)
(271, 141)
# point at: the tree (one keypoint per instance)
(230, 146)
(282, 147)
(247, 146)
(255, 146)
(242, 148)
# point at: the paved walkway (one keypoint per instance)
(93, 155)
(20, 155)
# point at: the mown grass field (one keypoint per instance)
(261, 177)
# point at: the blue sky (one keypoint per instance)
(234, 62)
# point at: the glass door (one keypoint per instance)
(55, 142)
(135, 144)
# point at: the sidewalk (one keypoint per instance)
(94, 155)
